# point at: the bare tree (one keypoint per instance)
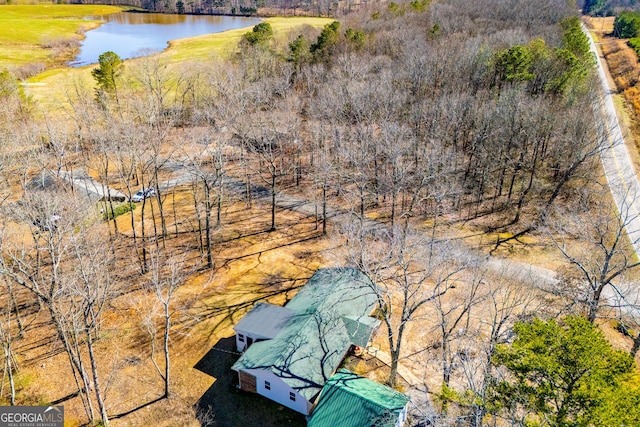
(127, 143)
(10, 330)
(153, 109)
(45, 266)
(89, 291)
(453, 318)
(409, 270)
(165, 276)
(152, 73)
(323, 169)
(272, 149)
(205, 161)
(569, 154)
(504, 302)
(593, 240)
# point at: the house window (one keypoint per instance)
(267, 385)
(240, 337)
(292, 396)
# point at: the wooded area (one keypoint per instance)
(412, 139)
(241, 7)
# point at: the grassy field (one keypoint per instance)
(223, 44)
(49, 88)
(26, 29)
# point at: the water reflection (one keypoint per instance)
(136, 34)
(133, 18)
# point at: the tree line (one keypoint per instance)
(606, 7)
(242, 7)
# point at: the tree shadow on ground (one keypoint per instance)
(224, 405)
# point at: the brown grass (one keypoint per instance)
(600, 26)
(251, 265)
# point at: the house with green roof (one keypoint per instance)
(290, 352)
(349, 400)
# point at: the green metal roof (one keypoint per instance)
(360, 329)
(346, 291)
(349, 400)
(266, 320)
(313, 342)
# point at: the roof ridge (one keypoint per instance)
(290, 343)
(353, 393)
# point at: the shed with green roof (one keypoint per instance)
(349, 400)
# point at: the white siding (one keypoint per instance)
(402, 417)
(280, 391)
(242, 346)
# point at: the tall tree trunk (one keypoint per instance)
(96, 379)
(207, 222)
(77, 367)
(163, 220)
(324, 208)
(167, 361)
(395, 355)
(196, 207)
(219, 203)
(9, 369)
(594, 304)
(175, 210)
(273, 202)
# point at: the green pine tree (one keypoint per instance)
(566, 374)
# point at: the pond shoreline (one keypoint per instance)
(133, 35)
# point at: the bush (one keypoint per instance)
(118, 210)
(29, 70)
(627, 25)
(248, 10)
(634, 44)
(260, 35)
(395, 9)
(60, 43)
(420, 5)
(356, 37)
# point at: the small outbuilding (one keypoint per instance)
(349, 400)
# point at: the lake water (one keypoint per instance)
(137, 34)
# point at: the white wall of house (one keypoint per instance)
(243, 337)
(241, 340)
(271, 386)
(402, 417)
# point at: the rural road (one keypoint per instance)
(616, 161)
